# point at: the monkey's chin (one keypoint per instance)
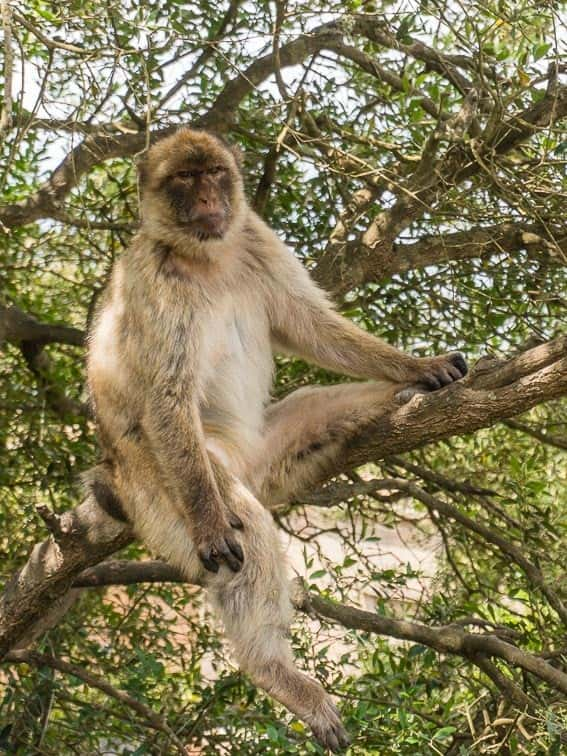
(204, 232)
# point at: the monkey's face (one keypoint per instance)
(192, 180)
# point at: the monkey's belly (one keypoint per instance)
(237, 370)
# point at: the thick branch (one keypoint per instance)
(52, 567)
(493, 392)
(17, 326)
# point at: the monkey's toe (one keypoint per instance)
(442, 371)
(459, 361)
(404, 396)
(235, 521)
(222, 549)
(334, 738)
(430, 382)
(328, 728)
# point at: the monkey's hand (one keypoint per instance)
(215, 541)
(435, 372)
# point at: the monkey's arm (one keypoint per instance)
(173, 427)
(305, 323)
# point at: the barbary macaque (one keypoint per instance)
(180, 369)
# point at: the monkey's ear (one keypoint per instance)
(238, 155)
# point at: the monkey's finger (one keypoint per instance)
(332, 742)
(343, 736)
(444, 377)
(235, 521)
(335, 739)
(459, 361)
(235, 548)
(338, 739)
(208, 559)
(430, 382)
(231, 560)
(454, 372)
(231, 552)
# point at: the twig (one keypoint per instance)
(6, 115)
(152, 718)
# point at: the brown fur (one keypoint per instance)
(180, 369)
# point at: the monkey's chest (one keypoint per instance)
(237, 370)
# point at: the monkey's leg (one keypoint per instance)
(255, 607)
(305, 434)
(133, 483)
(253, 604)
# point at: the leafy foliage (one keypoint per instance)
(334, 129)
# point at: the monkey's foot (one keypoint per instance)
(437, 372)
(327, 726)
(216, 543)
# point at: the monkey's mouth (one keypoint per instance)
(206, 226)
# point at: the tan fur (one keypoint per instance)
(180, 370)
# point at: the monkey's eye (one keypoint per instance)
(185, 174)
(216, 169)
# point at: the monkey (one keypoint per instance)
(180, 368)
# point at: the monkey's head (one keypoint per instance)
(191, 183)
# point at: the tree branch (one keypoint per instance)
(127, 572)
(490, 535)
(546, 438)
(479, 242)
(374, 28)
(449, 639)
(150, 716)
(346, 264)
(452, 639)
(106, 145)
(492, 392)
(17, 326)
(26, 332)
(52, 568)
(99, 147)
